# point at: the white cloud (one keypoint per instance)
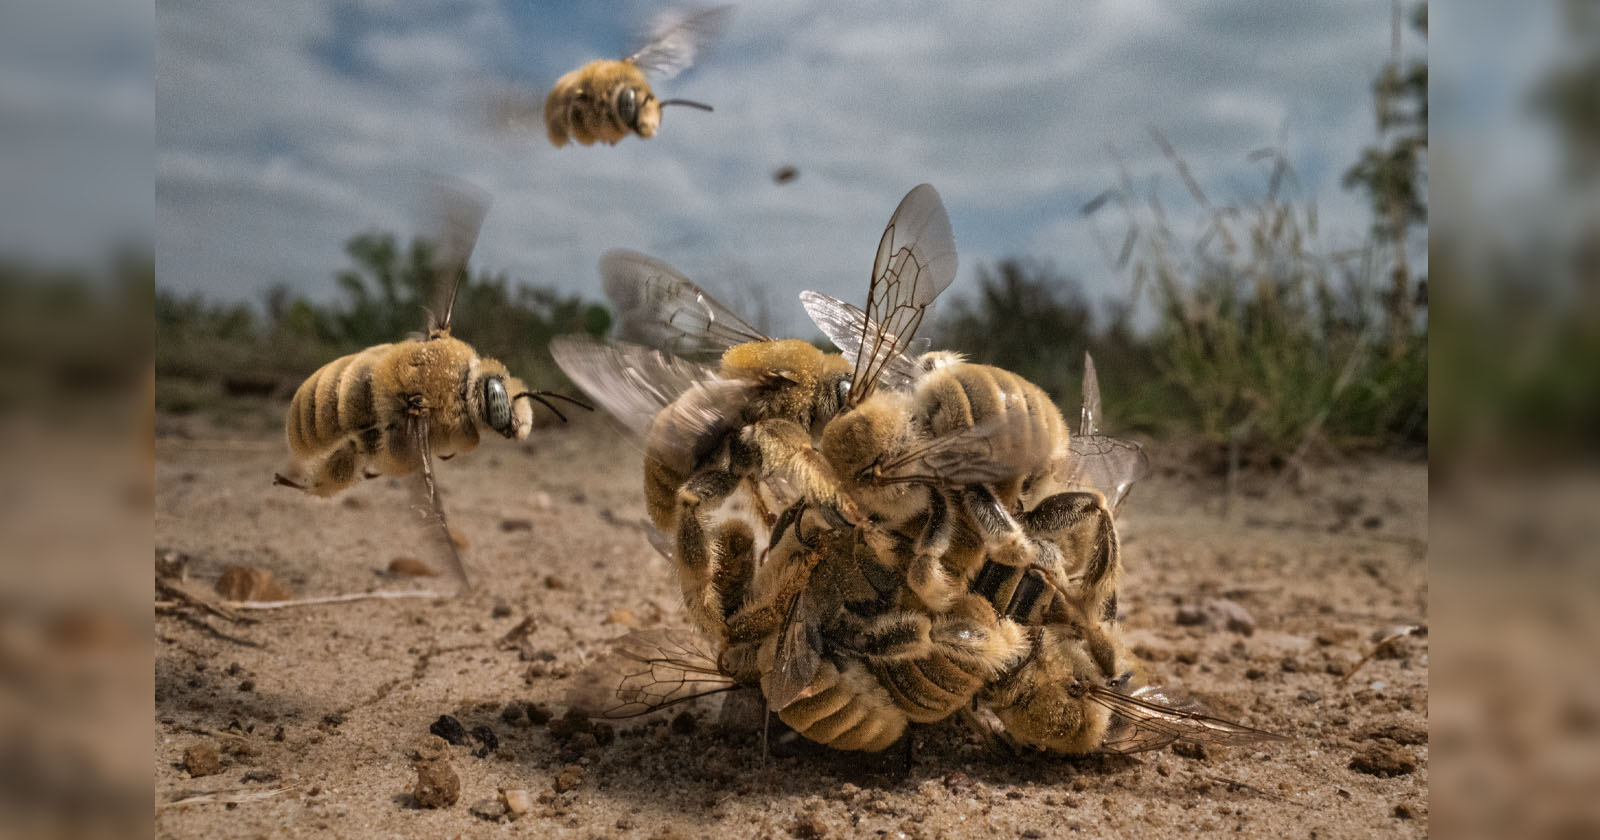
(270, 157)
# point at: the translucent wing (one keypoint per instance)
(658, 307)
(431, 508)
(796, 661)
(1140, 721)
(1107, 464)
(992, 451)
(1089, 424)
(842, 323)
(916, 261)
(677, 36)
(460, 208)
(648, 670)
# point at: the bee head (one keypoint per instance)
(1044, 703)
(638, 110)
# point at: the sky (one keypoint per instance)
(284, 128)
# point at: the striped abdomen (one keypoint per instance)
(334, 403)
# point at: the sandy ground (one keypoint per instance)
(329, 700)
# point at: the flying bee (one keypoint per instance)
(607, 99)
(751, 420)
(388, 409)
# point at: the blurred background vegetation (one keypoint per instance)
(1247, 337)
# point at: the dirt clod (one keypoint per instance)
(1190, 750)
(809, 826)
(488, 742)
(1383, 758)
(684, 724)
(410, 567)
(247, 583)
(1405, 811)
(570, 777)
(430, 748)
(539, 714)
(450, 729)
(1400, 733)
(509, 525)
(202, 760)
(438, 786)
(622, 617)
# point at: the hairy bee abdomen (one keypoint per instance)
(333, 403)
(846, 709)
(957, 397)
(969, 648)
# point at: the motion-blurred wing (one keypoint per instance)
(436, 530)
(916, 261)
(460, 208)
(658, 307)
(676, 38)
(842, 323)
(1139, 722)
(648, 670)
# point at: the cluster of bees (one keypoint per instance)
(876, 537)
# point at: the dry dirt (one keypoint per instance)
(331, 701)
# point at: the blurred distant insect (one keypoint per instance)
(389, 408)
(606, 99)
(784, 174)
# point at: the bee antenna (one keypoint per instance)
(539, 397)
(692, 104)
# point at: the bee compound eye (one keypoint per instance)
(496, 404)
(628, 107)
(842, 390)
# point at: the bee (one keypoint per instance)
(606, 99)
(752, 420)
(388, 409)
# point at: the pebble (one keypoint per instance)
(450, 729)
(518, 802)
(247, 583)
(1384, 758)
(493, 810)
(570, 777)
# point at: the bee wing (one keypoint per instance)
(460, 208)
(677, 36)
(636, 383)
(658, 307)
(1140, 721)
(916, 261)
(843, 324)
(648, 670)
(432, 509)
(1107, 464)
(796, 661)
(984, 453)
(1089, 423)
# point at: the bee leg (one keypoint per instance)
(734, 547)
(925, 573)
(696, 556)
(1080, 525)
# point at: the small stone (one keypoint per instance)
(1254, 673)
(1230, 615)
(247, 685)
(501, 610)
(622, 617)
(604, 733)
(1308, 697)
(333, 720)
(202, 760)
(247, 583)
(553, 582)
(279, 734)
(540, 500)
(458, 538)
(1191, 750)
(539, 714)
(410, 567)
(1384, 758)
(509, 525)
(518, 802)
(684, 724)
(488, 742)
(493, 810)
(568, 724)
(570, 777)
(1190, 616)
(450, 729)
(438, 786)
(1404, 811)
(957, 781)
